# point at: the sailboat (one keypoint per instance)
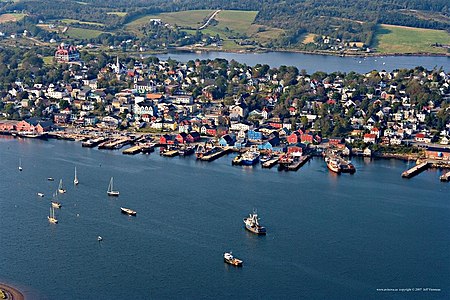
(75, 180)
(61, 189)
(111, 191)
(55, 203)
(51, 218)
(20, 165)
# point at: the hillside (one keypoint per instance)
(282, 24)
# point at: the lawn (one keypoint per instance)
(11, 17)
(400, 39)
(81, 33)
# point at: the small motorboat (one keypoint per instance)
(51, 179)
(40, 194)
(230, 259)
(99, 238)
(128, 211)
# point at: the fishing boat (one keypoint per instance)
(20, 165)
(252, 224)
(51, 217)
(250, 158)
(61, 189)
(40, 194)
(111, 191)
(230, 259)
(128, 211)
(75, 180)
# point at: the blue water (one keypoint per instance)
(329, 236)
(326, 63)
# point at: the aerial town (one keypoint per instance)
(214, 107)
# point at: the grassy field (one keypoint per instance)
(185, 19)
(231, 25)
(117, 13)
(71, 21)
(11, 17)
(81, 33)
(399, 39)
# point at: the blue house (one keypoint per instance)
(254, 135)
(271, 144)
(240, 143)
(227, 140)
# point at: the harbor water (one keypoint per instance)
(328, 236)
(325, 63)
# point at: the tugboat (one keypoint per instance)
(252, 224)
(230, 259)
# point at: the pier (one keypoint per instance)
(114, 143)
(133, 150)
(417, 169)
(445, 177)
(216, 155)
(296, 164)
(270, 163)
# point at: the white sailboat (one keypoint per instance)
(51, 218)
(20, 165)
(111, 191)
(61, 189)
(75, 180)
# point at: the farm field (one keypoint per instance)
(81, 33)
(11, 17)
(391, 39)
(232, 26)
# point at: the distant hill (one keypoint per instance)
(350, 20)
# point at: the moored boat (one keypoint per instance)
(250, 158)
(333, 164)
(51, 217)
(61, 189)
(252, 224)
(128, 211)
(230, 259)
(56, 204)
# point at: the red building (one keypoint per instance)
(181, 138)
(306, 138)
(294, 137)
(167, 139)
(192, 137)
(65, 54)
(438, 153)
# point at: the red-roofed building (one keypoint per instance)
(370, 138)
(65, 54)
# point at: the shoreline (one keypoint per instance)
(325, 53)
(11, 292)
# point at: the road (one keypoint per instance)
(209, 20)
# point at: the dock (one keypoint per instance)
(170, 153)
(216, 155)
(270, 163)
(93, 142)
(296, 164)
(415, 170)
(133, 150)
(445, 177)
(114, 144)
